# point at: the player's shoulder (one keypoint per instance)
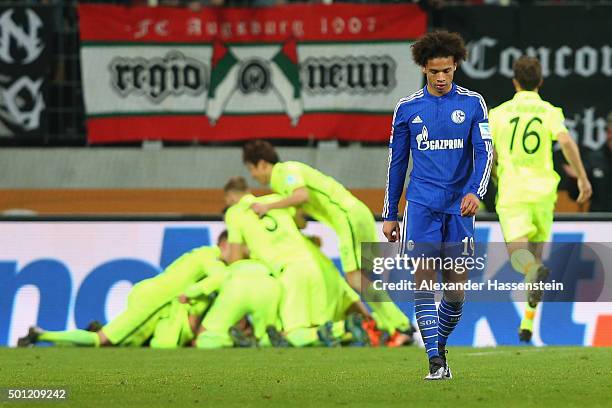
(472, 98)
(550, 107)
(502, 107)
(469, 95)
(272, 198)
(294, 165)
(282, 169)
(235, 210)
(410, 100)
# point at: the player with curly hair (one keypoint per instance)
(445, 128)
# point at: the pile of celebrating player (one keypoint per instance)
(265, 283)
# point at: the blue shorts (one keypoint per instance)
(434, 229)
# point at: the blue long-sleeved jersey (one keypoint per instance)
(451, 146)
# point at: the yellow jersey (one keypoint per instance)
(523, 131)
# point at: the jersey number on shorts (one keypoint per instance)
(526, 135)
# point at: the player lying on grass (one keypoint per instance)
(524, 129)
(327, 201)
(172, 326)
(444, 128)
(148, 301)
(276, 240)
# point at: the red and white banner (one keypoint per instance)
(222, 74)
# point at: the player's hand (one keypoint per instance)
(391, 229)
(183, 299)
(260, 209)
(469, 205)
(585, 189)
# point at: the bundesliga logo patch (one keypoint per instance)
(485, 133)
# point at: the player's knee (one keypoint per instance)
(422, 274)
(354, 279)
(454, 297)
(522, 260)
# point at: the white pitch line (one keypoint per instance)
(487, 353)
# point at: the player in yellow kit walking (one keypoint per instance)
(329, 202)
(523, 130)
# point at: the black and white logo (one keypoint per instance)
(23, 70)
(22, 103)
(458, 116)
(28, 44)
(410, 245)
(254, 76)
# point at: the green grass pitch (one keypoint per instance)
(348, 377)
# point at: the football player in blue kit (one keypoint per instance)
(445, 128)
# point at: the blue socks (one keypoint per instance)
(435, 325)
(427, 319)
(449, 315)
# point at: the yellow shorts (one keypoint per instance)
(132, 329)
(141, 308)
(355, 226)
(531, 220)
